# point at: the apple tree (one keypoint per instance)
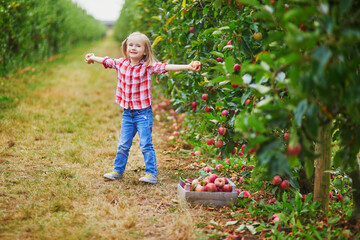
(307, 82)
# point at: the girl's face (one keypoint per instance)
(135, 49)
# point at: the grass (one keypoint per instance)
(59, 128)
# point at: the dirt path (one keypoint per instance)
(56, 145)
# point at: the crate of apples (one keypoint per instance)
(212, 190)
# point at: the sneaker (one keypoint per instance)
(113, 175)
(149, 179)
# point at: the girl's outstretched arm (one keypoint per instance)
(91, 58)
(193, 66)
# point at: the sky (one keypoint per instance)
(105, 10)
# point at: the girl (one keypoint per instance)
(133, 93)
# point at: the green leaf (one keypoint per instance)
(254, 3)
(251, 229)
(241, 228)
(300, 111)
(260, 88)
(230, 223)
(334, 220)
(229, 64)
(217, 54)
(322, 54)
(345, 6)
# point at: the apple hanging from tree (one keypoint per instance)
(286, 136)
(204, 96)
(210, 141)
(219, 143)
(277, 180)
(207, 109)
(237, 67)
(224, 113)
(285, 184)
(257, 36)
(294, 151)
(222, 131)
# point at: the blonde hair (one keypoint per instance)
(149, 58)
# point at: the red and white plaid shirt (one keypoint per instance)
(133, 82)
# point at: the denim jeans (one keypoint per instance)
(134, 121)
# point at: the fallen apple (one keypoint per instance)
(219, 167)
(207, 169)
(246, 194)
(241, 179)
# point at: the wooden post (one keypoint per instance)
(323, 164)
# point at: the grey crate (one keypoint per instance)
(217, 199)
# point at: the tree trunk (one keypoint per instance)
(355, 177)
(323, 164)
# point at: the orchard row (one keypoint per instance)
(34, 30)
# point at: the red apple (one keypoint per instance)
(207, 109)
(176, 133)
(252, 151)
(191, 29)
(219, 182)
(274, 218)
(285, 184)
(212, 178)
(240, 153)
(194, 104)
(194, 109)
(219, 59)
(227, 188)
(197, 153)
(246, 194)
(199, 188)
(219, 156)
(277, 180)
(219, 143)
(286, 136)
(222, 130)
(247, 101)
(219, 167)
(294, 151)
(340, 197)
(303, 197)
(243, 147)
(224, 113)
(204, 97)
(234, 85)
(210, 141)
(211, 187)
(207, 180)
(237, 67)
(271, 201)
(192, 153)
(330, 194)
(241, 179)
(207, 169)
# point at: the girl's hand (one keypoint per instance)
(88, 59)
(195, 66)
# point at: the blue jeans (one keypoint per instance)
(133, 121)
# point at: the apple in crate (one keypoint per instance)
(211, 187)
(213, 177)
(227, 188)
(219, 182)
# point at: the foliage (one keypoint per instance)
(33, 30)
